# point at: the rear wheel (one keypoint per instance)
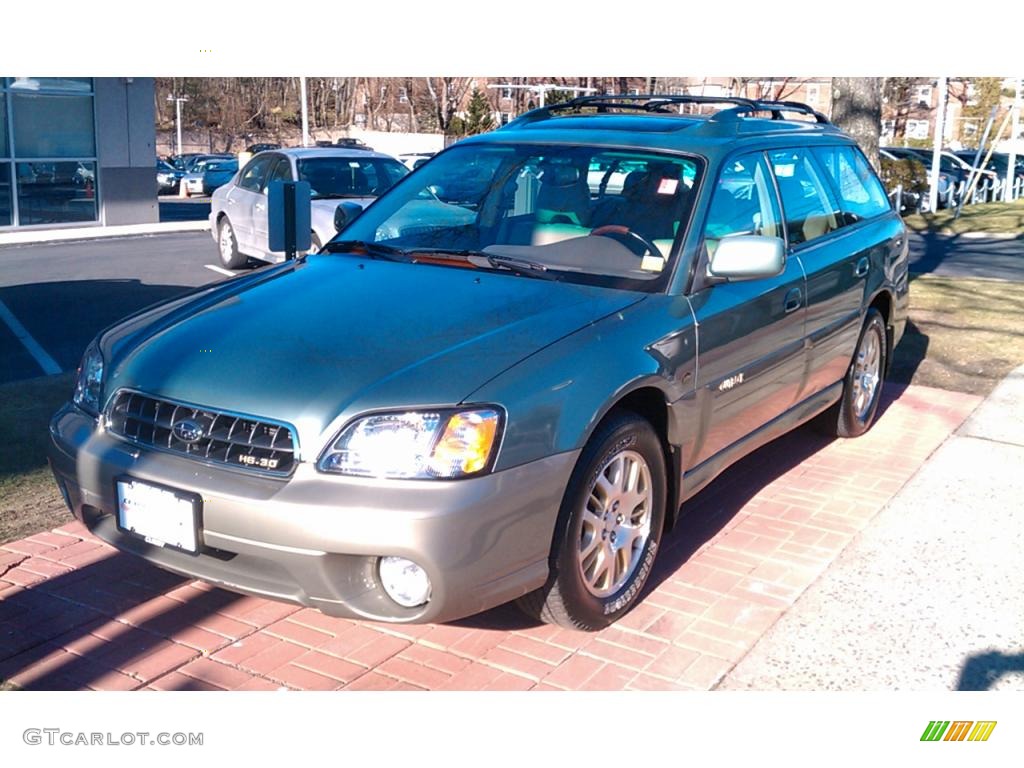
(609, 528)
(862, 389)
(227, 244)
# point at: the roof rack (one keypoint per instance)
(776, 108)
(661, 103)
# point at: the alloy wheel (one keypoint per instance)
(616, 523)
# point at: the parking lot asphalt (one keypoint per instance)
(76, 614)
(967, 256)
(62, 294)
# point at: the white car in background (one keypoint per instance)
(413, 160)
(238, 210)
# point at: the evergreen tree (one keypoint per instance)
(479, 117)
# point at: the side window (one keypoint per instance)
(743, 202)
(254, 174)
(807, 202)
(282, 171)
(390, 173)
(861, 195)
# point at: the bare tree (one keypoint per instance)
(857, 109)
(447, 95)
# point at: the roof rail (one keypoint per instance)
(776, 108)
(661, 103)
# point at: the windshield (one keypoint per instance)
(596, 215)
(337, 177)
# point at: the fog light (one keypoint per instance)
(404, 581)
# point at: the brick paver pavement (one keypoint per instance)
(75, 613)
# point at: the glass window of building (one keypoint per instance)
(48, 168)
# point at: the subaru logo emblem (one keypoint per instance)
(188, 431)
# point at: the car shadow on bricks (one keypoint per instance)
(701, 518)
(115, 623)
(711, 511)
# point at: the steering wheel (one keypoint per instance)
(624, 234)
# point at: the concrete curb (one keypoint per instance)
(91, 233)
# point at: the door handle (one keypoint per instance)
(793, 300)
(863, 264)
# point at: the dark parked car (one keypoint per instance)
(167, 177)
(996, 166)
(187, 163)
(508, 391)
(910, 175)
(209, 175)
(953, 173)
(253, 149)
(352, 143)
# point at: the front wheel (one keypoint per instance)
(609, 528)
(862, 389)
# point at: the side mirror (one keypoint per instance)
(748, 257)
(345, 214)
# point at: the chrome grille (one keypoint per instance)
(237, 441)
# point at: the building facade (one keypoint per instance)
(76, 151)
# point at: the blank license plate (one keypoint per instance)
(161, 516)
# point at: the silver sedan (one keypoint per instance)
(238, 210)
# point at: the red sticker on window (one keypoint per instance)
(668, 186)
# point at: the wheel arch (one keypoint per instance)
(650, 403)
(883, 301)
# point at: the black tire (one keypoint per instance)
(227, 246)
(852, 416)
(570, 598)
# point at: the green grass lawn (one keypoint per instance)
(995, 218)
(963, 335)
(29, 500)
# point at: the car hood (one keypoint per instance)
(322, 214)
(329, 205)
(314, 342)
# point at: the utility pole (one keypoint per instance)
(940, 132)
(177, 121)
(1011, 165)
(305, 113)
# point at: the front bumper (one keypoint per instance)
(316, 539)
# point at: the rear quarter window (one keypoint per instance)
(861, 195)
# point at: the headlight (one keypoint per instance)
(89, 386)
(418, 444)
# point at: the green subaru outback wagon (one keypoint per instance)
(506, 377)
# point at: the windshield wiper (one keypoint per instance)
(374, 250)
(520, 266)
(464, 253)
(495, 261)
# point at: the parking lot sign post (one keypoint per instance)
(289, 217)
